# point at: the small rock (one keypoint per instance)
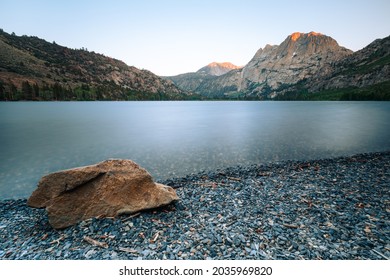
(90, 253)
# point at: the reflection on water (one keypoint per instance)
(177, 138)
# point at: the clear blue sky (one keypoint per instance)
(170, 37)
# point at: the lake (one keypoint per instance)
(172, 139)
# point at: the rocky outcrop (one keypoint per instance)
(106, 189)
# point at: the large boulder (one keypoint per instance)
(106, 189)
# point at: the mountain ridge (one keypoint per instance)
(192, 80)
(34, 69)
(364, 75)
(303, 64)
(299, 56)
(217, 68)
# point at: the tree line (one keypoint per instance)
(57, 92)
(33, 92)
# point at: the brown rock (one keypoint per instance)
(106, 189)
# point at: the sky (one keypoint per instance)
(170, 37)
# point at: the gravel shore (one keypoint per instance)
(321, 209)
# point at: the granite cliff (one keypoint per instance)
(298, 57)
(363, 75)
(302, 66)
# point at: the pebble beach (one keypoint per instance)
(297, 210)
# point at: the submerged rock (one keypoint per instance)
(106, 189)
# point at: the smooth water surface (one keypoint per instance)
(173, 139)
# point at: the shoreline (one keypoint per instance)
(318, 209)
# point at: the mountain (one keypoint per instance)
(34, 69)
(298, 57)
(303, 66)
(363, 75)
(191, 81)
(217, 68)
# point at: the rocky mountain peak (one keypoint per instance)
(308, 44)
(217, 68)
(299, 56)
(296, 35)
(222, 64)
(303, 63)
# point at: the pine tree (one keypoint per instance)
(13, 92)
(27, 91)
(2, 91)
(57, 91)
(35, 91)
